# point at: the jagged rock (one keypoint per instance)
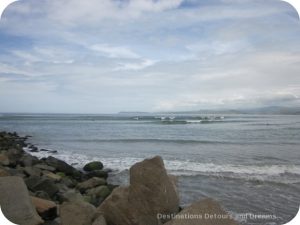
(93, 166)
(45, 208)
(70, 196)
(208, 211)
(16, 172)
(97, 173)
(62, 188)
(77, 213)
(150, 192)
(14, 155)
(112, 186)
(100, 220)
(90, 183)
(117, 208)
(97, 195)
(45, 167)
(52, 176)
(68, 182)
(28, 160)
(15, 202)
(95, 201)
(4, 160)
(32, 171)
(4, 172)
(52, 222)
(49, 151)
(41, 194)
(41, 184)
(101, 191)
(60, 165)
(61, 174)
(31, 182)
(33, 149)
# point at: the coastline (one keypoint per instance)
(49, 178)
(57, 190)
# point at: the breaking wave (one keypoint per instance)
(273, 173)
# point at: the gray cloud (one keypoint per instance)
(109, 56)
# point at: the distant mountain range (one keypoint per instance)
(276, 110)
(270, 110)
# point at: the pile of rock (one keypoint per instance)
(49, 191)
(47, 186)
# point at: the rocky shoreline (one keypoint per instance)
(49, 191)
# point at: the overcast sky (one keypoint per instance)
(105, 56)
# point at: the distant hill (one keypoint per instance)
(270, 110)
(275, 110)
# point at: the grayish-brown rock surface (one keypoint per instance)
(15, 202)
(151, 191)
(204, 212)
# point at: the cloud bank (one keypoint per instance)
(148, 55)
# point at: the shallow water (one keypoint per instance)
(250, 163)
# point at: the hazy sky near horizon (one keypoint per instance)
(105, 56)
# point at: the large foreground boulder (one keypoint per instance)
(205, 212)
(77, 213)
(100, 220)
(151, 192)
(151, 185)
(15, 202)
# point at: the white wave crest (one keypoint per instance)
(190, 168)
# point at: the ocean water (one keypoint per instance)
(250, 163)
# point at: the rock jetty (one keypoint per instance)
(49, 191)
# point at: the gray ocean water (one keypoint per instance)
(250, 163)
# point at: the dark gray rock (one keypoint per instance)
(14, 155)
(35, 184)
(97, 173)
(28, 160)
(31, 182)
(4, 172)
(45, 167)
(70, 196)
(91, 183)
(68, 182)
(4, 160)
(101, 191)
(32, 171)
(60, 165)
(16, 172)
(52, 222)
(33, 149)
(49, 151)
(42, 194)
(96, 165)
